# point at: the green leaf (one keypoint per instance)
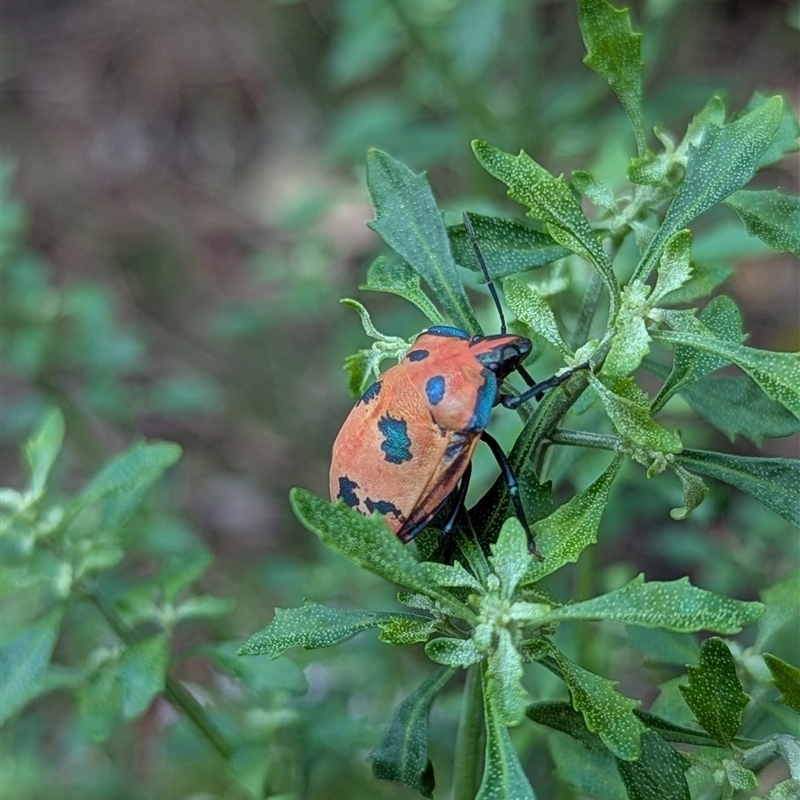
(675, 268)
(785, 790)
(614, 51)
(714, 692)
(533, 310)
(396, 277)
(674, 605)
(706, 276)
(782, 609)
(503, 776)
(590, 773)
(142, 670)
(402, 753)
(720, 318)
(402, 630)
(311, 626)
(659, 774)
(507, 246)
(778, 374)
(131, 472)
(663, 646)
(572, 527)
(724, 160)
(694, 491)
(551, 200)
(631, 341)
(452, 652)
(24, 662)
(370, 543)
(785, 140)
(771, 216)
(775, 482)
(632, 418)
(606, 712)
(510, 556)
(594, 191)
(787, 679)
(409, 221)
(504, 680)
(204, 606)
(99, 703)
(563, 717)
(41, 450)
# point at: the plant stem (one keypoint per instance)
(174, 690)
(600, 441)
(468, 763)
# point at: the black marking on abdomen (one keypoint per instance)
(347, 491)
(417, 355)
(371, 393)
(396, 443)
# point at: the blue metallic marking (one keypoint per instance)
(484, 402)
(448, 330)
(384, 507)
(372, 392)
(417, 355)
(434, 389)
(347, 491)
(396, 443)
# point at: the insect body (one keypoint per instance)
(409, 440)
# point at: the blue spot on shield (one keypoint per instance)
(448, 330)
(396, 443)
(484, 402)
(372, 392)
(434, 389)
(347, 491)
(417, 355)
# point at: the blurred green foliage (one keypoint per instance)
(182, 204)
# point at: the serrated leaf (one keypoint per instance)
(725, 159)
(775, 482)
(593, 190)
(510, 556)
(409, 221)
(787, 680)
(41, 450)
(396, 277)
(614, 52)
(24, 662)
(706, 276)
(450, 575)
(142, 670)
(606, 712)
(99, 703)
(771, 216)
(311, 626)
(782, 609)
(630, 345)
(452, 652)
(503, 776)
(675, 268)
(720, 318)
(674, 605)
(550, 200)
(262, 676)
(563, 717)
(504, 680)
(133, 471)
(694, 491)
(402, 754)
(666, 647)
(508, 247)
(572, 527)
(785, 139)
(370, 543)
(633, 420)
(404, 630)
(590, 773)
(659, 774)
(714, 692)
(533, 310)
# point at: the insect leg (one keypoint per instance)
(513, 488)
(538, 389)
(447, 543)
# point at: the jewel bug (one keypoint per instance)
(409, 440)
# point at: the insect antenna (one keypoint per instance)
(479, 256)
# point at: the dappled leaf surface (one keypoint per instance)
(659, 774)
(395, 276)
(787, 680)
(772, 216)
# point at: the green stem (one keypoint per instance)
(600, 441)
(174, 690)
(468, 763)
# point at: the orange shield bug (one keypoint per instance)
(408, 442)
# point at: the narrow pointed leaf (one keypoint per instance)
(311, 626)
(142, 670)
(725, 159)
(504, 680)
(706, 276)
(409, 221)
(775, 482)
(771, 216)
(594, 191)
(24, 662)
(503, 776)
(787, 680)
(402, 754)
(572, 527)
(510, 556)
(452, 652)
(606, 712)
(675, 268)
(533, 310)
(714, 692)
(508, 247)
(659, 774)
(785, 140)
(41, 450)
(404, 630)
(396, 277)
(614, 51)
(674, 605)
